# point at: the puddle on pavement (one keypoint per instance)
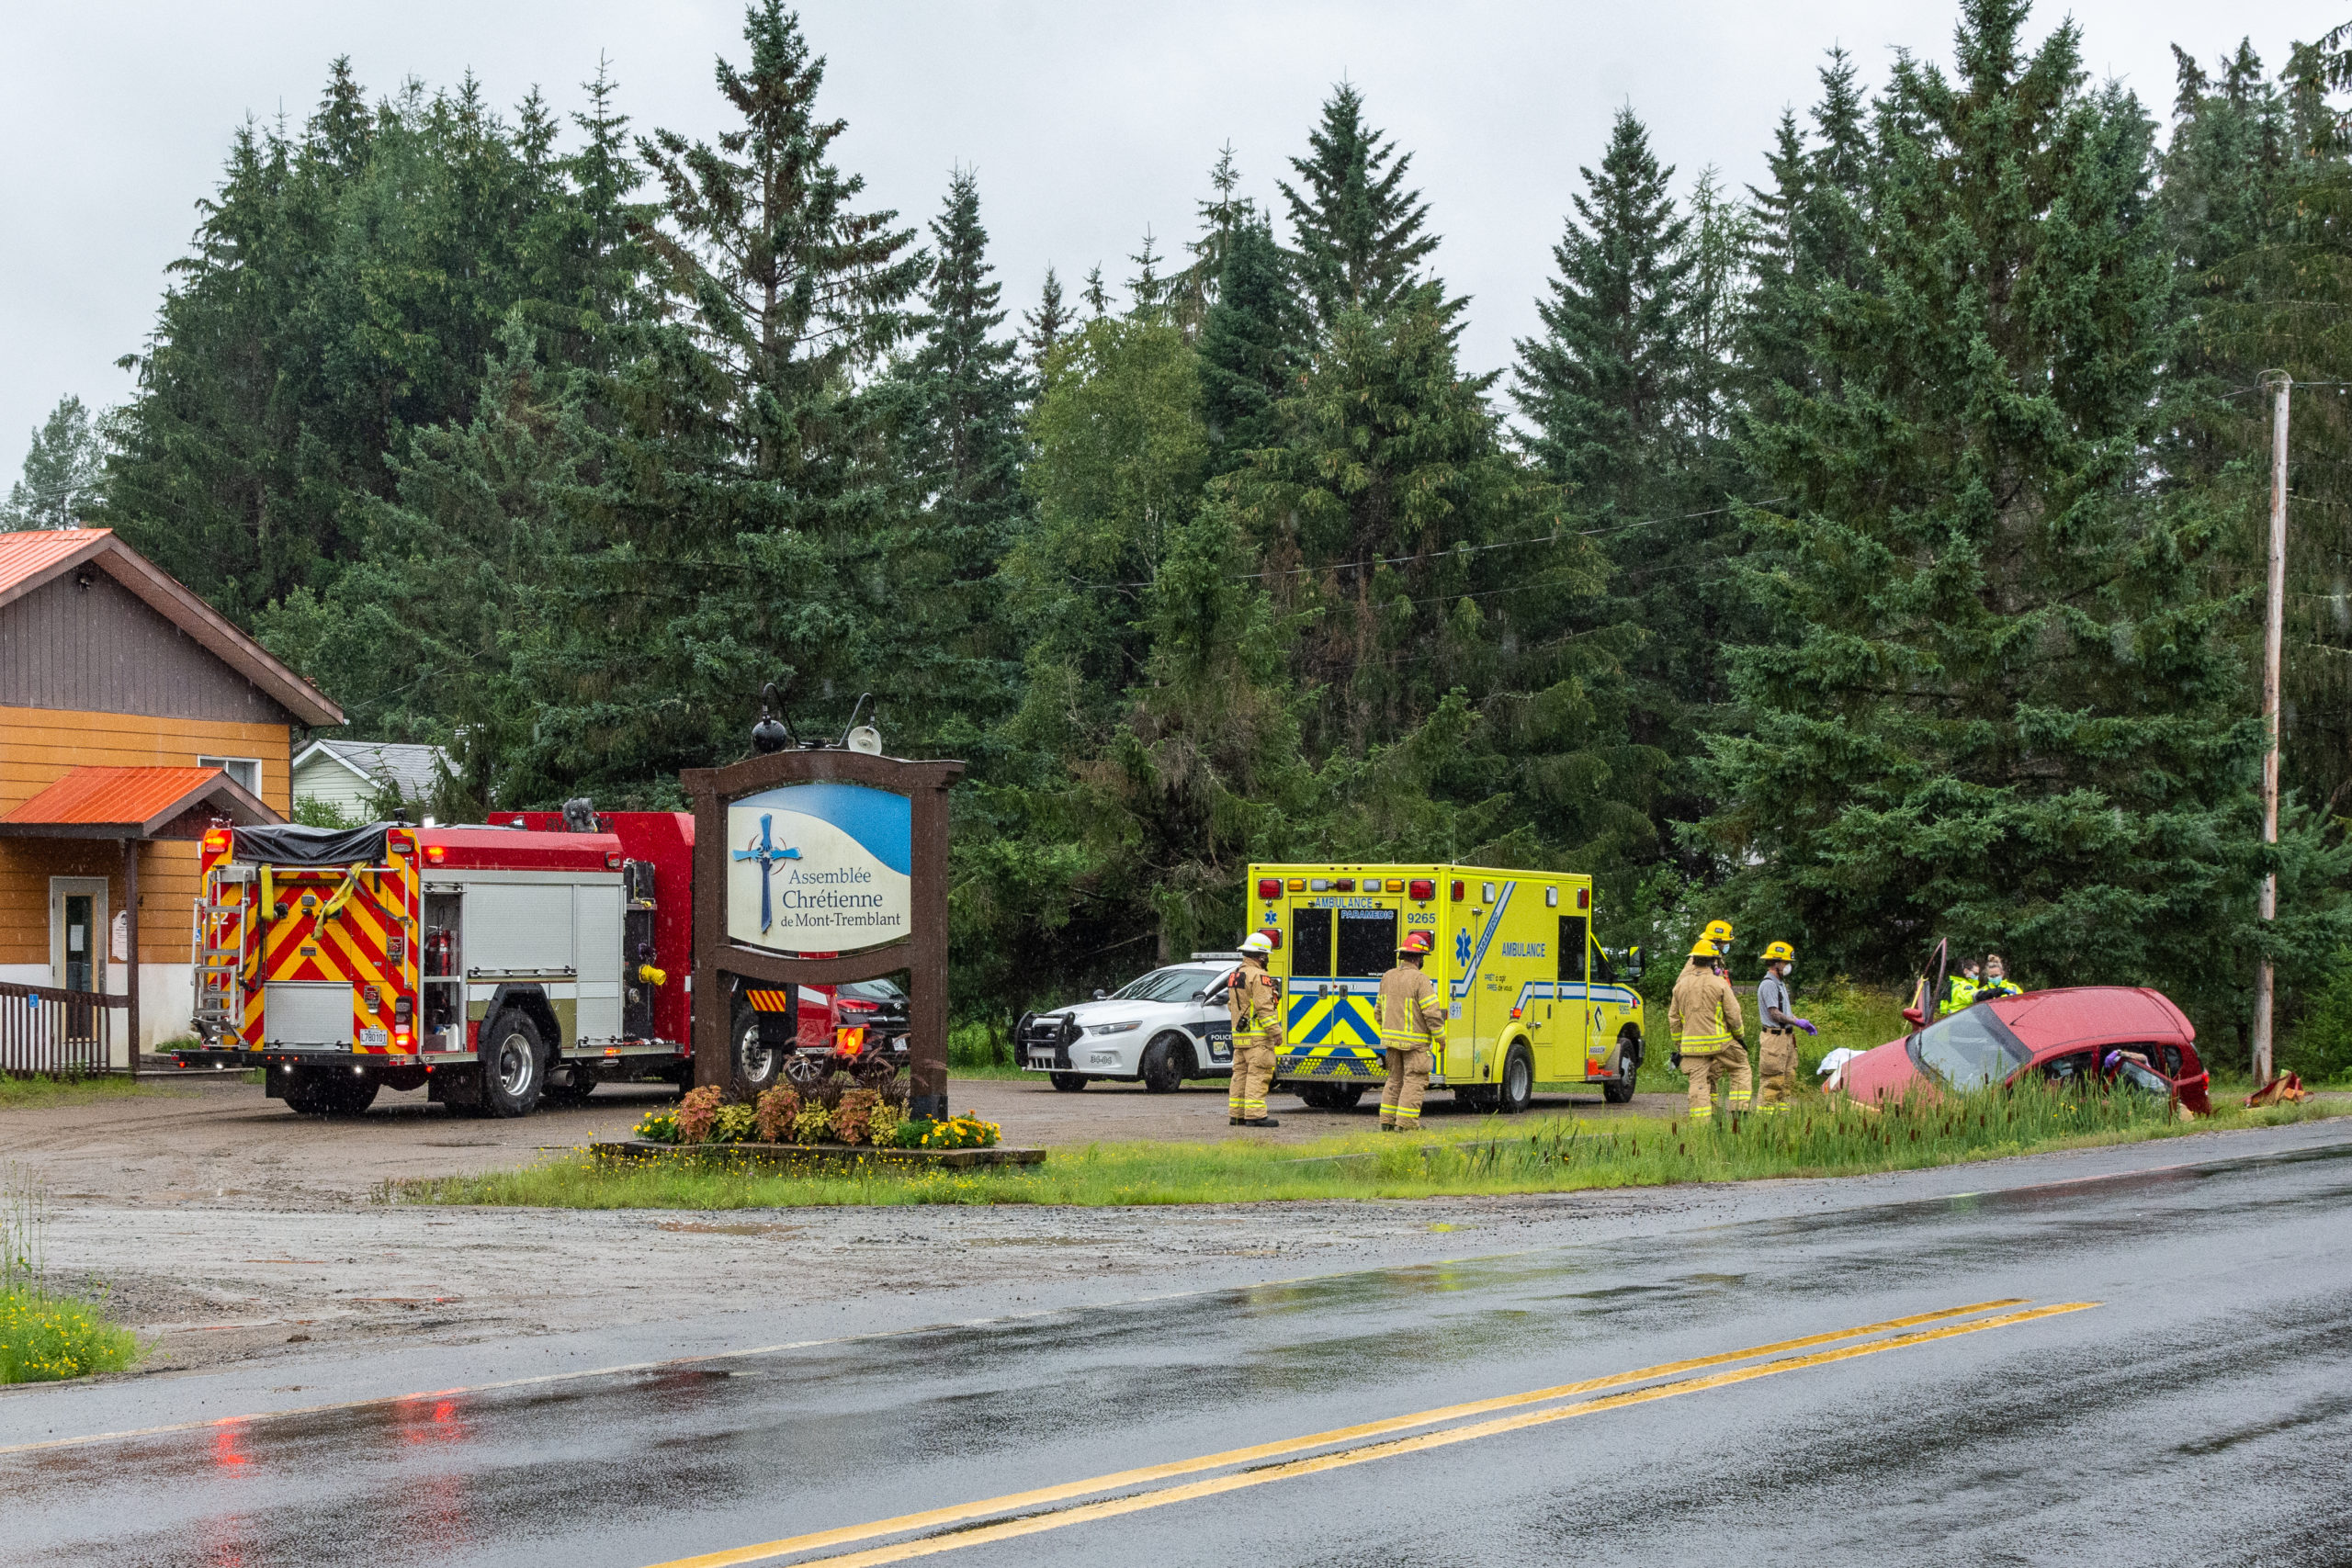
(744, 1227)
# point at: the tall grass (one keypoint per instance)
(47, 1335)
(1824, 1137)
(29, 1093)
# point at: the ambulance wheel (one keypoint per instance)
(514, 1065)
(1069, 1083)
(1619, 1091)
(1167, 1063)
(1516, 1092)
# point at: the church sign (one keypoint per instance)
(819, 868)
(818, 865)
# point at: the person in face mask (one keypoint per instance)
(1780, 1023)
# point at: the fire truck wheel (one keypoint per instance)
(1516, 1092)
(1166, 1065)
(574, 1090)
(1619, 1091)
(348, 1094)
(755, 1065)
(306, 1092)
(514, 1065)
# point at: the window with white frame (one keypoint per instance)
(244, 772)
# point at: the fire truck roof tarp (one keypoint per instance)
(291, 845)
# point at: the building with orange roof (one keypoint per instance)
(131, 713)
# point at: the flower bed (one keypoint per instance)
(835, 1114)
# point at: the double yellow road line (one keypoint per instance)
(1365, 1442)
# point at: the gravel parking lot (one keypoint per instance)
(227, 1228)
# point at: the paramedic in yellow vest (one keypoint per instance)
(1411, 1013)
(1997, 981)
(1704, 1022)
(1777, 1024)
(1255, 1000)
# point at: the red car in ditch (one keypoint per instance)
(2126, 1033)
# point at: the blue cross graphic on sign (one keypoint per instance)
(1462, 946)
(768, 854)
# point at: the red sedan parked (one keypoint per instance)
(2126, 1033)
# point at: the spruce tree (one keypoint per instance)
(1357, 227)
(1252, 346)
(2001, 701)
(961, 451)
(1046, 325)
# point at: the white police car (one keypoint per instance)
(1168, 1026)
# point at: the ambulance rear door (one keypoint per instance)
(1341, 941)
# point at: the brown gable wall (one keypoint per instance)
(99, 649)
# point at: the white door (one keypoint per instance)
(77, 933)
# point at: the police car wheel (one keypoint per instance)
(1516, 1092)
(1166, 1065)
(1069, 1083)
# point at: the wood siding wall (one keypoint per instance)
(101, 649)
(38, 745)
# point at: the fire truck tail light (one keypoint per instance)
(612, 860)
(1270, 888)
(1457, 893)
(1422, 889)
(215, 841)
(434, 852)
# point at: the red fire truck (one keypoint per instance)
(498, 964)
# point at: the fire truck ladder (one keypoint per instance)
(220, 999)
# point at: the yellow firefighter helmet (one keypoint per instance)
(1782, 950)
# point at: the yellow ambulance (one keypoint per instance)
(1533, 1000)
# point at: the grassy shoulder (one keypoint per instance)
(24, 1093)
(1822, 1137)
(48, 1339)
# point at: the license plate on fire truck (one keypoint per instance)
(375, 1039)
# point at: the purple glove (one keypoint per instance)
(1805, 1024)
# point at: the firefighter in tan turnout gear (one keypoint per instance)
(1255, 1000)
(1410, 1015)
(1704, 1020)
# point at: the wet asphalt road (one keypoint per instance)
(2200, 1413)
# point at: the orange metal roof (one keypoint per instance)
(136, 800)
(26, 554)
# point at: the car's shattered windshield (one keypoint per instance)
(1165, 985)
(1971, 1049)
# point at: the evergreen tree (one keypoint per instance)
(63, 466)
(1357, 229)
(1097, 297)
(2002, 702)
(1620, 393)
(961, 454)
(1046, 325)
(1252, 346)
(1221, 218)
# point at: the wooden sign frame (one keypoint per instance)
(922, 952)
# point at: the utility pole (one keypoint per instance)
(2273, 641)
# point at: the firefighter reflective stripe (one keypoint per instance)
(1407, 1113)
(1703, 1113)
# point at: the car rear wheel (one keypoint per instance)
(514, 1065)
(1619, 1089)
(1069, 1083)
(1166, 1065)
(1516, 1092)
(1331, 1096)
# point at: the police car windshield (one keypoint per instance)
(1166, 986)
(1971, 1049)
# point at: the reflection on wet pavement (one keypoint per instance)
(2224, 1346)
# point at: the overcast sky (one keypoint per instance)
(1086, 121)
